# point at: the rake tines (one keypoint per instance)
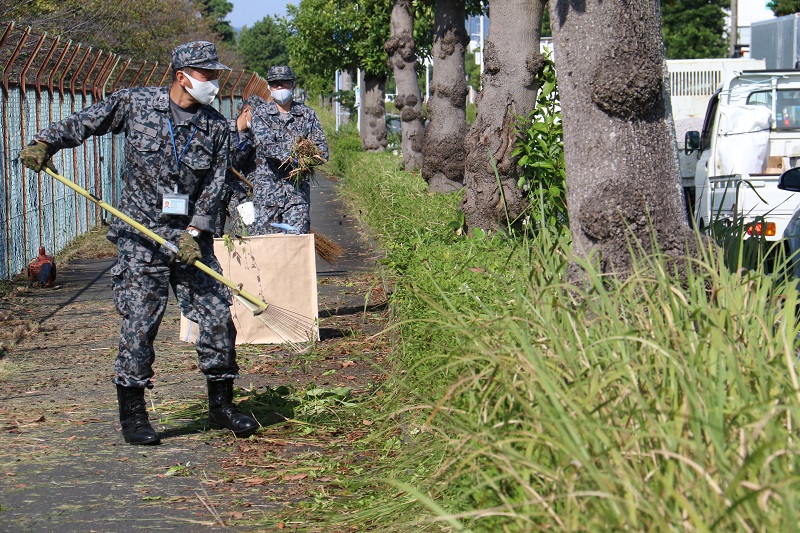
(287, 325)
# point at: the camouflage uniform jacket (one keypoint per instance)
(243, 149)
(235, 191)
(275, 136)
(142, 114)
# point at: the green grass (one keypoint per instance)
(90, 245)
(526, 402)
(472, 113)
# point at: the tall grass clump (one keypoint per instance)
(647, 404)
(526, 402)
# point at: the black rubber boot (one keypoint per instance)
(222, 413)
(136, 426)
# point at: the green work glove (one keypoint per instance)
(188, 249)
(35, 157)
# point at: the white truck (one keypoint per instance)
(750, 135)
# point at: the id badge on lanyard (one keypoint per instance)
(175, 203)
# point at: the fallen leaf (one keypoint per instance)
(367, 422)
(295, 477)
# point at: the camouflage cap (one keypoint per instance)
(198, 54)
(281, 72)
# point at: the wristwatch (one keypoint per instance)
(194, 232)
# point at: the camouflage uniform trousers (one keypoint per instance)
(282, 202)
(141, 290)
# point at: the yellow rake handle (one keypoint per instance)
(237, 289)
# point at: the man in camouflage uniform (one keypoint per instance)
(277, 125)
(176, 158)
(242, 159)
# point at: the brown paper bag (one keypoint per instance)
(280, 269)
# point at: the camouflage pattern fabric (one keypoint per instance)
(235, 191)
(198, 54)
(142, 114)
(243, 149)
(280, 72)
(141, 290)
(276, 198)
(253, 101)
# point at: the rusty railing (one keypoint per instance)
(45, 79)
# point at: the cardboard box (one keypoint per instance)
(281, 269)
(775, 165)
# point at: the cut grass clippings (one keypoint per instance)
(91, 245)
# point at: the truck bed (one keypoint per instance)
(753, 196)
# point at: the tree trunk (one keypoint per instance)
(512, 63)
(443, 148)
(403, 62)
(619, 142)
(373, 127)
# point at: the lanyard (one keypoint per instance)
(175, 148)
(243, 143)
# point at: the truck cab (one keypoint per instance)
(750, 135)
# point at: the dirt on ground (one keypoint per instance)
(65, 467)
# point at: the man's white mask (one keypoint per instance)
(202, 91)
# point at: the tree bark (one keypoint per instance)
(512, 63)
(373, 127)
(403, 62)
(619, 142)
(443, 148)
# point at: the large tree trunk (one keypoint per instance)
(512, 62)
(373, 127)
(403, 62)
(619, 144)
(443, 149)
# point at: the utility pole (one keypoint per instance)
(482, 43)
(734, 27)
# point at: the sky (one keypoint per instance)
(752, 11)
(247, 12)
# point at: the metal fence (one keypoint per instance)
(44, 80)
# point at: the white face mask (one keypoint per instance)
(202, 91)
(282, 96)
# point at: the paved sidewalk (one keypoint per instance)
(63, 463)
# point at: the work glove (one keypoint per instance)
(188, 249)
(35, 157)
